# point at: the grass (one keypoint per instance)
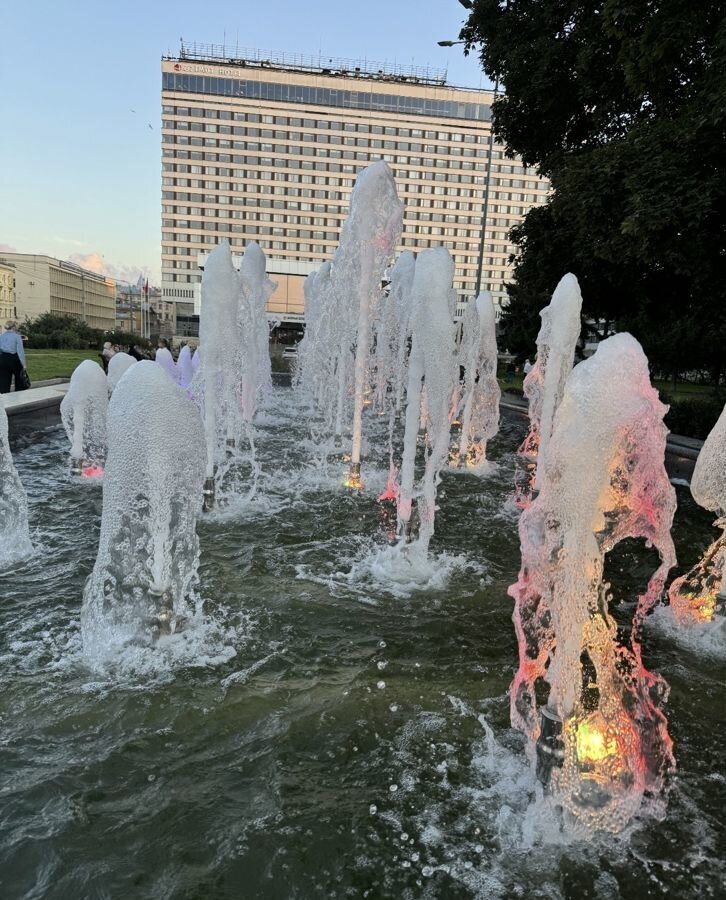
(43, 364)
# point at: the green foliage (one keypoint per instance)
(622, 104)
(51, 331)
(694, 417)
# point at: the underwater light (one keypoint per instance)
(353, 480)
(208, 494)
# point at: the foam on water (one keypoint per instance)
(372, 571)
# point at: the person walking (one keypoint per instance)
(527, 366)
(12, 357)
(106, 354)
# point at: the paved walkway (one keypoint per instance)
(19, 402)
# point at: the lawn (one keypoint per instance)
(42, 364)
(683, 390)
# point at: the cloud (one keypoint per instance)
(72, 241)
(98, 263)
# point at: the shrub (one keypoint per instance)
(694, 417)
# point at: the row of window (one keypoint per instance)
(293, 218)
(205, 112)
(322, 96)
(292, 160)
(413, 206)
(325, 165)
(316, 138)
(331, 238)
(288, 191)
(502, 251)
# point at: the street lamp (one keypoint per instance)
(487, 184)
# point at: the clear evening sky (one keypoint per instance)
(80, 158)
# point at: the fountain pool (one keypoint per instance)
(326, 731)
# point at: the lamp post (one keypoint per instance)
(488, 180)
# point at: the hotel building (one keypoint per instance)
(267, 148)
(47, 285)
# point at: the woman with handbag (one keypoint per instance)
(12, 359)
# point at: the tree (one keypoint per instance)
(622, 105)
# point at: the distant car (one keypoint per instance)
(289, 352)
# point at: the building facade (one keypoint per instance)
(268, 148)
(44, 284)
(7, 293)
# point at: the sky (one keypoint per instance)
(80, 155)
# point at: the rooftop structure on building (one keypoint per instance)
(260, 146)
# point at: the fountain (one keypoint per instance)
(216, 384)
(313, 373)
(143, 582)
(432, 372)
(582, 696)
(185, 366)
(255, 289)
(480, 398)
(367, 243)
(164, 359)
(15, 542)
(117, 365)
(83, 411)
(545, 383)
(342, 301)
(700, 595)
(391, 362)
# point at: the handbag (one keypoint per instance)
(22, 380)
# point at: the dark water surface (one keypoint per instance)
(329, 732)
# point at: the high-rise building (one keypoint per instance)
(267, 148)
(44, 284)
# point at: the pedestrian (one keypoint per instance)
(527, 367)
(133, 351)
(12, 358)
(106, 355)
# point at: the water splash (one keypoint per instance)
(15, 543)
(545, 384)
(83, 411)
(255, 289)
(185, 367)
(479, 405)
(603, 480)
(117, 366)
(432, 376)
(143, 582)
(342, 301)
(700, 595)
(164, 359)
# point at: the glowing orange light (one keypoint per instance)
(594, 744)
(390, 493)
(354, 482)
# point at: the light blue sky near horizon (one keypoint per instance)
(80, 157)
